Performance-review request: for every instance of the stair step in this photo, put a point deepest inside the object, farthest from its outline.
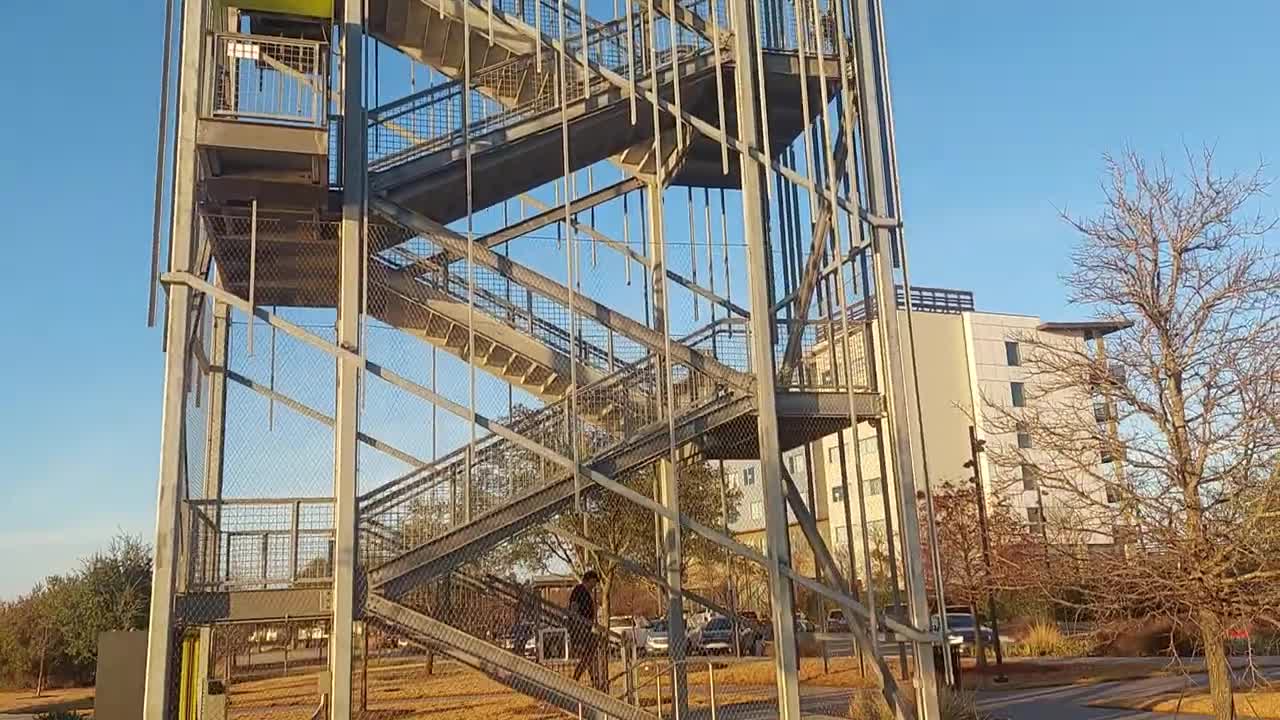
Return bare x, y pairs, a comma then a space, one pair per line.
507, 668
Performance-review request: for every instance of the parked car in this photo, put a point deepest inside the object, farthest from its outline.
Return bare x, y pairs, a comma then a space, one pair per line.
718, 636
836, 622
658, 641
962, 629
523, 634
633, 629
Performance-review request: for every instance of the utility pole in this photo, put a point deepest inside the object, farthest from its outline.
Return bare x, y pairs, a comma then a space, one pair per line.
976, 446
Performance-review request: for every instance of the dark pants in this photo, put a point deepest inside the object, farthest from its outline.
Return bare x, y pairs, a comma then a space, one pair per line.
584, 646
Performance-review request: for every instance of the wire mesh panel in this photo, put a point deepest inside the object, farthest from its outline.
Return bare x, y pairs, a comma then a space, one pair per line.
268, 79
267, 670
262, 544
523, 87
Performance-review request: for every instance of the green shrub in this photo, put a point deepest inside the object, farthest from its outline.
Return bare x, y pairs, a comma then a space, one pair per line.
60, 715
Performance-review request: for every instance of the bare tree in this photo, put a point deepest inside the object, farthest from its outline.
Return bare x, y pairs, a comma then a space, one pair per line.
970, 576
1154, 431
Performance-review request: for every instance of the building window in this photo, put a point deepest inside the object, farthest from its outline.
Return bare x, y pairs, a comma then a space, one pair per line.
1024, 435
1100, 411
1113, 493
757, 510
870, 453
748, 476
1030, 476
796, 465
837, 493
833, 453
1035, 518
1012, 355
871, 486
1017, 394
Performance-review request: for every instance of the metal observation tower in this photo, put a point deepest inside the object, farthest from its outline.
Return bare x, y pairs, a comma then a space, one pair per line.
456, 289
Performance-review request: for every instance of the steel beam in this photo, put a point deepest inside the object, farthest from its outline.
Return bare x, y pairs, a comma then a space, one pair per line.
216, 416
619, 322
160, 631
875, 120
505, 667
861, 622
781, 593
671, 555
347, 415
672, 562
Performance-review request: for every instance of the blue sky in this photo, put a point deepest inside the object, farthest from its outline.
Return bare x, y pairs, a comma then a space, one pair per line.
1003, 110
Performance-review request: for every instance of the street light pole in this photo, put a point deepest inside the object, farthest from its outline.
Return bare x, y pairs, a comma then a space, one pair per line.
976, 446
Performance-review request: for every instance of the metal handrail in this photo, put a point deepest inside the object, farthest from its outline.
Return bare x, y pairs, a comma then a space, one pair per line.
671, 666
288, 83
603, 42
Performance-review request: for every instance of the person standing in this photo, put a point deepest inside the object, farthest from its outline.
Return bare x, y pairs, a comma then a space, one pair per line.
582, 636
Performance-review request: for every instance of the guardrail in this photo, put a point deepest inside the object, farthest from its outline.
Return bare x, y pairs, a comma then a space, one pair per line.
259, 544
267, 79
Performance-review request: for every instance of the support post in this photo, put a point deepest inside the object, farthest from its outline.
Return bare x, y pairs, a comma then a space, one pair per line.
157, 691
667, 484
976, 446
886, 241
215, 430
346, 417
749, 93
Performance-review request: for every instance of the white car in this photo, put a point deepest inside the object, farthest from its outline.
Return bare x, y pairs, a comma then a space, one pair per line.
634, 629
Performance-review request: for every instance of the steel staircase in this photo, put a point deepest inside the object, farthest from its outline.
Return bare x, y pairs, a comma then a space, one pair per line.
510, 669
432, 521
601, 374
416, 143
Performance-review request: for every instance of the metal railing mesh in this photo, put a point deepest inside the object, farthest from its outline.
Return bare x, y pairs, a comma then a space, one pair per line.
524, 87
268, 79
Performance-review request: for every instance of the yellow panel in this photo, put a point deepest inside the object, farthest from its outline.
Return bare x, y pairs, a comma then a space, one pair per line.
308, 8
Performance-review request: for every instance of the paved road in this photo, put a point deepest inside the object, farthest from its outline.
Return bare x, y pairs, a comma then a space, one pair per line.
1071, 702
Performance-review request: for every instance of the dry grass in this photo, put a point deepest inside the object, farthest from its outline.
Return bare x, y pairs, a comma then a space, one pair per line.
1260, 703
843, 673
25, 701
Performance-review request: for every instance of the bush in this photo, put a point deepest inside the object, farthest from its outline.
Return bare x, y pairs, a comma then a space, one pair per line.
1145, 638
1045, 638
60, 715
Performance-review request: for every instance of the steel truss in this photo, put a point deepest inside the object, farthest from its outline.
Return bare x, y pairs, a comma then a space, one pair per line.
354, 250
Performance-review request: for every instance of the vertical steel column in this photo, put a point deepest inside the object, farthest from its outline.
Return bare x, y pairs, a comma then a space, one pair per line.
782, 598
880, 193
215, 429
160, 630
667, 484
347, 415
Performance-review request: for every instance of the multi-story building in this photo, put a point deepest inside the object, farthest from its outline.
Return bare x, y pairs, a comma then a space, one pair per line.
971, 372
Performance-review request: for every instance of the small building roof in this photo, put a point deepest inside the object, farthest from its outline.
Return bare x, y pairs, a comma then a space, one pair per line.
1097, 327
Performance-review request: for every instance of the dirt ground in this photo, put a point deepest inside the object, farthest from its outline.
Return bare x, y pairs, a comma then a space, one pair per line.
25, 701
402, 689
1026, 673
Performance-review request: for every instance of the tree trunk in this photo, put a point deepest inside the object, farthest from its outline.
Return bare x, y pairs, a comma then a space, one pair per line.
606, 603
1214, 636
44, 644
979, 647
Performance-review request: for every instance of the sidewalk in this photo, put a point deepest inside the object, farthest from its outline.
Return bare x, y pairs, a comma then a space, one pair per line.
1072, 702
